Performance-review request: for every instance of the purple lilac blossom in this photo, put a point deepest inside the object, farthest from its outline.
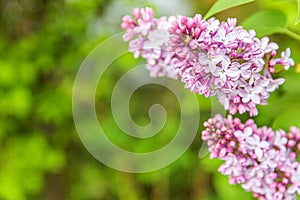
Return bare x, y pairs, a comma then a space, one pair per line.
148, 37
225, 59
210, 57
263, 161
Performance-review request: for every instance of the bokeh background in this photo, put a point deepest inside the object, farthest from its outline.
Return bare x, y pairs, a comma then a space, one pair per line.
43, 43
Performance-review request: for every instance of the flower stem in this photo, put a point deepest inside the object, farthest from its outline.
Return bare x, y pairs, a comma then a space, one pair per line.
292, 34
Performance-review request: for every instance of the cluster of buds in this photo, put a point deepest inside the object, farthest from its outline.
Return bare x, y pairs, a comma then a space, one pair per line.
210, 57
263, 161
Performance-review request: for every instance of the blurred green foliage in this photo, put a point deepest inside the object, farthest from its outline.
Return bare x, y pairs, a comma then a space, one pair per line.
42, 44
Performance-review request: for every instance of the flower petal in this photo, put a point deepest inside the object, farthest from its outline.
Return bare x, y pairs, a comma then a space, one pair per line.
258, 153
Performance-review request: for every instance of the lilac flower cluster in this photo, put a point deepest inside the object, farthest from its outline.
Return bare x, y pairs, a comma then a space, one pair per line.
148, 37
210, 56
262, 160
223, 58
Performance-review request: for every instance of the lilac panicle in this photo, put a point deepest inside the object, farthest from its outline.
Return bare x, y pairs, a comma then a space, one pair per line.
147, 37
263, 161
225, 59
210, 57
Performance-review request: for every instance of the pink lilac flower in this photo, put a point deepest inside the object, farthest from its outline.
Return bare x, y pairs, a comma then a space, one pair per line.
210, 57
236, 75
285, 59
263, 161
147, 37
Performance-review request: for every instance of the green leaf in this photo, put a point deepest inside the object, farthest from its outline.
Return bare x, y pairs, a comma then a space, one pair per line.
288, 118
298, 16
222, 5
267, 22
227, 191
